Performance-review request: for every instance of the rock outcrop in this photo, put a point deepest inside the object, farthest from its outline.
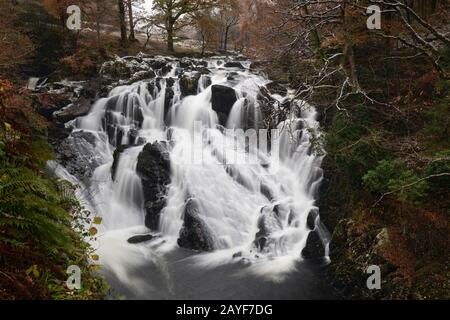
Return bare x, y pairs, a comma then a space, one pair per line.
223, 98
140, 238
234, 64
78, 154
195, 233
153, 166
79, 108
314, 247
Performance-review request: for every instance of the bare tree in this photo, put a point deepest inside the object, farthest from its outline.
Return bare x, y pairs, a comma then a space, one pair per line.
229, 15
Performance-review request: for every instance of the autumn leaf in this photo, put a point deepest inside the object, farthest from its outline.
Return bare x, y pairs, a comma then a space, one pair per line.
97, 220
34, 271
93, 231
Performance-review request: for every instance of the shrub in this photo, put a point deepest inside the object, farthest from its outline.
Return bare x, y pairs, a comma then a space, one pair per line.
394, 177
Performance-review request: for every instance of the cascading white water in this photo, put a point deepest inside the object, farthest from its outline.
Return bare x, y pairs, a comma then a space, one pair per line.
276, 192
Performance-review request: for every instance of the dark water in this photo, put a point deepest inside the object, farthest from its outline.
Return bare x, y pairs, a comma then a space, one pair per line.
180, 279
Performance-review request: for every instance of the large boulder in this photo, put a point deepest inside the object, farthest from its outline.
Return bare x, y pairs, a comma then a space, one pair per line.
314, 246
158, 63
79, 108
223, 98
311, 220
153, 166
123, 68
79, 155
189, 84
234, 64
194, 234
268, 223
153, 211
140, 238
141, 75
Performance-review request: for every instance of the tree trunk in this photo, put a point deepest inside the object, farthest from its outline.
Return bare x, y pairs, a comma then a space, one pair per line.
203, 44
98, 26
225, 40
348, 54
123, 26
170, 46
131, 21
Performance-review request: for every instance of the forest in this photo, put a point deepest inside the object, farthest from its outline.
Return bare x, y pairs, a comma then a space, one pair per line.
96, 124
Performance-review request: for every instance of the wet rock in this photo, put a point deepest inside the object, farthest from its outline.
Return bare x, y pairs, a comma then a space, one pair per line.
140, 238
141, 75
234, 64
311, 219
170, 82
189, 84
195, 233
186, 63
75, 89
79, 108
78, 154
201, 63
153, 211
314, 247
168, 99
121, 68
158, 64
133, 136
223, 98
153, 166
268, 223
237, 254
203, 70
166, 69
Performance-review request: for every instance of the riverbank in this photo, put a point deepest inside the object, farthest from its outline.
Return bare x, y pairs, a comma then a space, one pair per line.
42, 229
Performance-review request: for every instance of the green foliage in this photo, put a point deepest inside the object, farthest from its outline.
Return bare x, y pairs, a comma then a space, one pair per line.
30, 207
354, 142
440, 165
393, 176
437, 128
43, 216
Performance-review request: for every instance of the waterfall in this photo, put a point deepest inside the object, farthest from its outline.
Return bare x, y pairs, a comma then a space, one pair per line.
253, 203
